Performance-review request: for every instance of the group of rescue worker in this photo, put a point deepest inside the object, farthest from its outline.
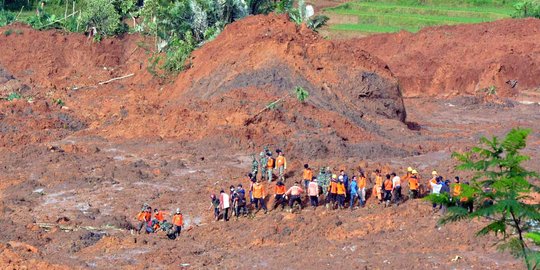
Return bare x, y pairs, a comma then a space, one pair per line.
334, 191
156, 222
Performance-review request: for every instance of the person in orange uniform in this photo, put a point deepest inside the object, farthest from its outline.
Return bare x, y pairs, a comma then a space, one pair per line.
332, 192
362, 182
178, 222
377, 189
281, 165
159, 215
143, 217
270, 164
341, 191
279, 195
456, 190
258, 196
413, 185
158, 219
407, 176
388, 187
307, 176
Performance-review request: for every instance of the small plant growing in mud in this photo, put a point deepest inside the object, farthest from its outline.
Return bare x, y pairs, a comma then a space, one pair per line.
489, 91
59, 102
13, 96
301, 94
501, 193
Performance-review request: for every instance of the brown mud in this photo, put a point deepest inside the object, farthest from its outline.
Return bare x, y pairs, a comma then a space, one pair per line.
84, 166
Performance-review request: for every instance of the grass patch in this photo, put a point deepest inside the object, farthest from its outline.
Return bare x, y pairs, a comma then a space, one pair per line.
386, 16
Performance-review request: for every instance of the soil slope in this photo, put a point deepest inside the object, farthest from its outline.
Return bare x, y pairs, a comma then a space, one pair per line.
462, 59
74, 175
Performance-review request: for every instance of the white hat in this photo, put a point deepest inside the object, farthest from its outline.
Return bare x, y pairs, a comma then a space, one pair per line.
178, 210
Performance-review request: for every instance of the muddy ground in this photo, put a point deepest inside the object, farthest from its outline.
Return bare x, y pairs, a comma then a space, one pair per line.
74, 175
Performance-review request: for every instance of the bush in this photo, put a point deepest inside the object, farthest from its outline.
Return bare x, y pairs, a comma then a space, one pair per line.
527, 8
178, 52
6, 17
101, 15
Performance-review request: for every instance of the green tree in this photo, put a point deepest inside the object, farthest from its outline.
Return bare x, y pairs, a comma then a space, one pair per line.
501, 190
527, 8
102, 15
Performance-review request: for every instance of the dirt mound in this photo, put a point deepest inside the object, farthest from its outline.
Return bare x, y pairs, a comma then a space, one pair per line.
462, 59
262, 59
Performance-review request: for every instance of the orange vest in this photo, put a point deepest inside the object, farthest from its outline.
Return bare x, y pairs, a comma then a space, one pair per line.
270, 163
388, 185
378, 180
362, 182
457, 190
159, 216
413, 183
280, 190
308, 174
340, 188
333, 187
280, 161
178, 220
141, 216
258, 191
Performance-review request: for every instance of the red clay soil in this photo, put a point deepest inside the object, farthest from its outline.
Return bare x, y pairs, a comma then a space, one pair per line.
85, 168
462, 59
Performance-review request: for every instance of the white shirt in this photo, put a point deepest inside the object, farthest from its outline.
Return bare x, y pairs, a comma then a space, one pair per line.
225, 200
436, 188
396, 181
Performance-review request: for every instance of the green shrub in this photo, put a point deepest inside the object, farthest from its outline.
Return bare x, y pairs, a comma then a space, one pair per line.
8, 32
101, 15
527, 8
13, 96
6, 17
178, 52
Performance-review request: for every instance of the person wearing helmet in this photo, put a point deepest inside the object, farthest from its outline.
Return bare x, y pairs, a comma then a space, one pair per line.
407, 175
413, 185
263, 162
433, 180
178, 222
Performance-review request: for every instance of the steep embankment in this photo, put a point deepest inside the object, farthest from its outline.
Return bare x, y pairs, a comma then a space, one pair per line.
462, 59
